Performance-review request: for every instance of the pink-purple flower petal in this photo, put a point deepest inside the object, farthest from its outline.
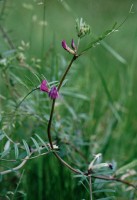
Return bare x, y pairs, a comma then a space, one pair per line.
64, 44
44, 87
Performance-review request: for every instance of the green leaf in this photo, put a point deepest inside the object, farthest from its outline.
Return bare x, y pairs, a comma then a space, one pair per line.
70, 109
75, 94
104, 84
7, 145
36, 144
5, 153
114, 53
1, 177
16, 150
126, 167
26, 147
8, 53
97, 41
42, 141
107, 198
37, 77
16, 78
104, 190
2, 135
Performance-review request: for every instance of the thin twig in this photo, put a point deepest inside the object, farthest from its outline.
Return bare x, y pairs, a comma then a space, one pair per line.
24, 160
90, 186
15, 168
77, 150
25, 97
43, 29
68, 68
111, 178
8, 40
3, 9
5, 35
18, 185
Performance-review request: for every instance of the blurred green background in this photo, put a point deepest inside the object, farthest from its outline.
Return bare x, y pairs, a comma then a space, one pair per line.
97, 112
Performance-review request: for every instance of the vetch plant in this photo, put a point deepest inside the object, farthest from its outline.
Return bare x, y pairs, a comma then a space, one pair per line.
96, 170
83, 30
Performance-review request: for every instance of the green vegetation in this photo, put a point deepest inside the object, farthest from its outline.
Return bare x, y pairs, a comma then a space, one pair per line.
94, 119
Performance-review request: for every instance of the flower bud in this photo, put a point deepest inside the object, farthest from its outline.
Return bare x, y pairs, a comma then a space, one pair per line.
53, 93
73, 45
67, 48
82, 28
110, 165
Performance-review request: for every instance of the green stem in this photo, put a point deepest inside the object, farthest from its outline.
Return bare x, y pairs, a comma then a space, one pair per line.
25, 97
90, 186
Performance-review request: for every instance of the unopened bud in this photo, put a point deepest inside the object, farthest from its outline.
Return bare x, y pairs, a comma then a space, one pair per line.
44, 87
82, 28
53, 93
73, 45
67, 48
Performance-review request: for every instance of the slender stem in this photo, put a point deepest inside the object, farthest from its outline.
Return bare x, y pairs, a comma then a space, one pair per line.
24, 160
78, 42
77, 150
26, 97
64, 75
66, 164
5, 35
53, 102
111, 178
50, 122
15, 168
3, 9
90, 186
43, 29
51, 116
16, 189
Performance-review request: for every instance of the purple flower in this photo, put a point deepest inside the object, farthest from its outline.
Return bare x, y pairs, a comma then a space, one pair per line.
44, 87
73, 45
53, 93
67, 48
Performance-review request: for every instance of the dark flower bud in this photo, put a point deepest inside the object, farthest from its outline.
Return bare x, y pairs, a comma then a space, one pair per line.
73, 45
110, 165
53, 93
